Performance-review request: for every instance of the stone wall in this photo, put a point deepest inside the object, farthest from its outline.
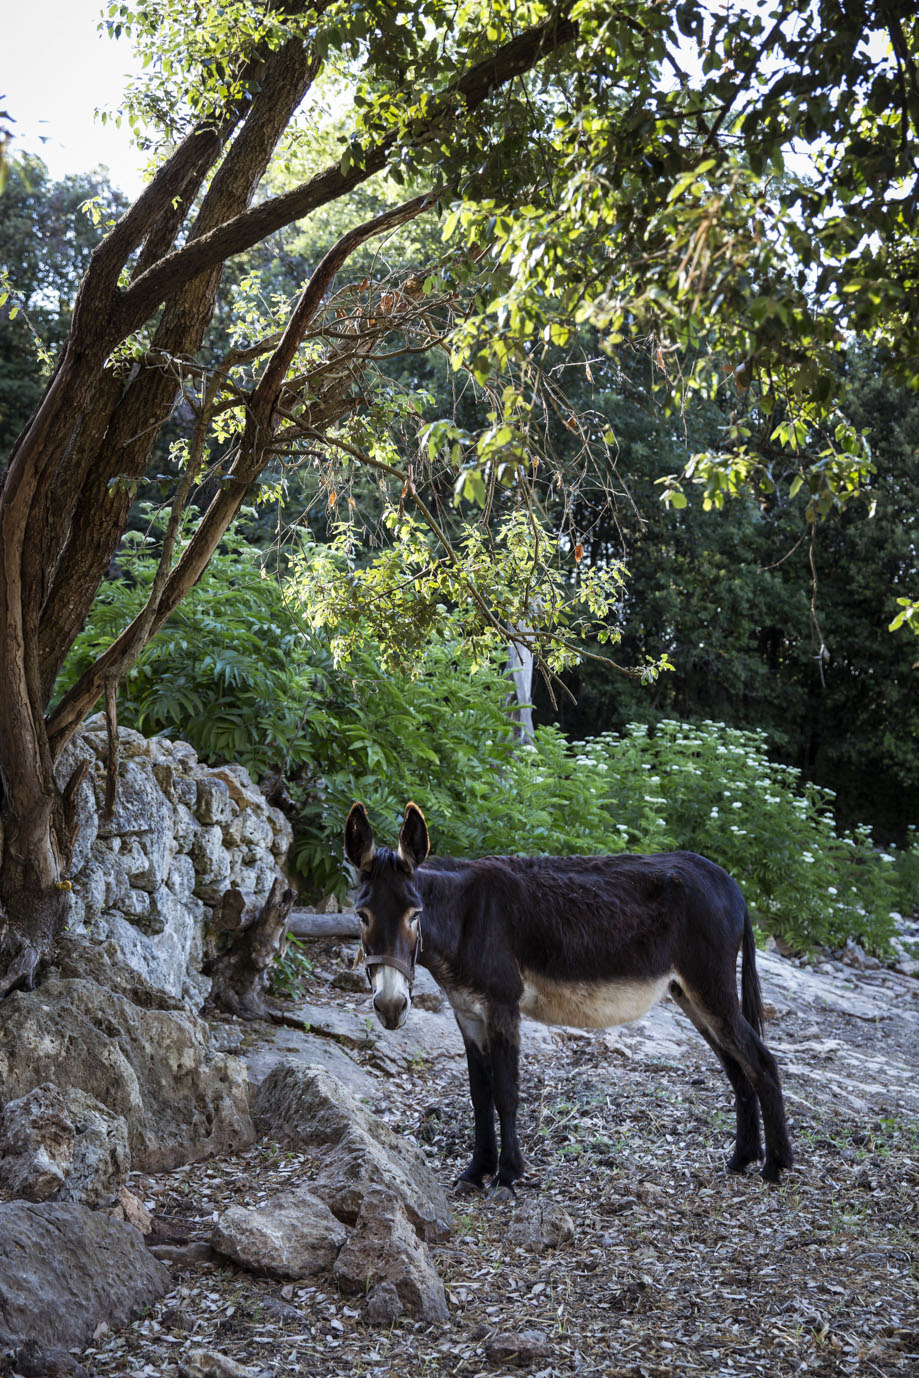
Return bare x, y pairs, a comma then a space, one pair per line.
180, 835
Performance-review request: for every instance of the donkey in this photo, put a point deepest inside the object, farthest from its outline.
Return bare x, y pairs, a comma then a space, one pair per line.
586, 941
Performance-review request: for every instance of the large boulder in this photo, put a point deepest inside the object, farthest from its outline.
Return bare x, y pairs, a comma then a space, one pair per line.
64, 1269
290, 1236
300, 1104
130, 1048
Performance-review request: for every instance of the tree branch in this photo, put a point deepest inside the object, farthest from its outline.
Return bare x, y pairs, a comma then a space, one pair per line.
241, 232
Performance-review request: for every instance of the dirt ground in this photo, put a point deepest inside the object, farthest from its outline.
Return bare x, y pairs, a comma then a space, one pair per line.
676, 1266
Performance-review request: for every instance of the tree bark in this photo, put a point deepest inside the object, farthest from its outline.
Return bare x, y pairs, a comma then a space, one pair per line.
239, 975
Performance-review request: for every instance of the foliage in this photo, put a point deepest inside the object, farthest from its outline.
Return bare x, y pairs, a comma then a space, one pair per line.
236, 673
704, 788
727, 595
685, 216
46, 237
228, 672
290, 970
713, 790
491, 586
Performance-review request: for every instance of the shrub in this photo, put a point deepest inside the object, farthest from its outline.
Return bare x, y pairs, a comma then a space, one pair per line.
238, 675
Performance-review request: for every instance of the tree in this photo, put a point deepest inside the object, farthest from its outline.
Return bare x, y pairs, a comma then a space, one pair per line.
596, 176
48, 231
141, 314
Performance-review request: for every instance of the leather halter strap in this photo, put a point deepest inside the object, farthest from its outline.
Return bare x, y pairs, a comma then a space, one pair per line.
407, 968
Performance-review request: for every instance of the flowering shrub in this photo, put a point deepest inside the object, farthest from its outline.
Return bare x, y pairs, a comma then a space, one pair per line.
706, 788
712, 789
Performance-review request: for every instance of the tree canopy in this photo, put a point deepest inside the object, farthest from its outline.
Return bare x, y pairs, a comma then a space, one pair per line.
724, 198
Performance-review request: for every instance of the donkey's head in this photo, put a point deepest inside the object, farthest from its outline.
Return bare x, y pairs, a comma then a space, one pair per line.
389, 907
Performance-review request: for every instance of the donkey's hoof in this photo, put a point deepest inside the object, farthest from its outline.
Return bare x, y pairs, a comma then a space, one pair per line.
738, 1162
465, 1186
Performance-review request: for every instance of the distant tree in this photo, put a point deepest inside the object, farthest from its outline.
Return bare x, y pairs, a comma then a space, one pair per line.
729, 594
46, 239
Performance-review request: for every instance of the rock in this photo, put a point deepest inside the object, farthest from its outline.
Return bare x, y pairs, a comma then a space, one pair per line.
64, 1269
198, 1251
383, 1305
291, 1236
522, 1348
148, 1062
101, 1156
179, 833
307, 1105
383, 1248
210, 1363
31, 1361
213, 804
132, 1210
140, 805
36, 1144
353, 979
538, 1225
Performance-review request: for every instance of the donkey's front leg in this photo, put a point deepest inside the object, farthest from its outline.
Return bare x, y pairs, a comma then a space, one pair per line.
485, 1149
504, 1055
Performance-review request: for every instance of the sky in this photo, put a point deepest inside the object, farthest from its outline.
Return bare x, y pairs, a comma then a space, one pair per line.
56, 69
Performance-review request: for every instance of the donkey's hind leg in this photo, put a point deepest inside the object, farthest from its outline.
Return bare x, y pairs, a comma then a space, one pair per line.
735, 1036
748, 1146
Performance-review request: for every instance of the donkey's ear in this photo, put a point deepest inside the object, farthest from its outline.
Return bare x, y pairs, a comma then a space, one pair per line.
359, 845
414, 843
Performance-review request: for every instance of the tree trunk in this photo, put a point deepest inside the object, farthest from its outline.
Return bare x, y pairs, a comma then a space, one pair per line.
239, 975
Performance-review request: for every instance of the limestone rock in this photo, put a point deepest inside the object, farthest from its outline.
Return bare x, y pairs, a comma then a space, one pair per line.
31, 1361
210, 1363
153, 1066
101, 1156
64, 1269
179, 834
539, 1225
522, 1347
383, 1248
383, 1304
307, 1105
36, 1144
132, 1210
291, 1236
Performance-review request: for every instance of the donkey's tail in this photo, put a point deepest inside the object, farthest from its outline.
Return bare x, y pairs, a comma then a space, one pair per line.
751, 993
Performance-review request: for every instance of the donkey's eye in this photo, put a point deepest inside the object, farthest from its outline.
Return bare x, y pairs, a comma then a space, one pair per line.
364, 918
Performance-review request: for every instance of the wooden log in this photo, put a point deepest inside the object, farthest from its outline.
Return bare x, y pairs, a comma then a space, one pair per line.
303, 923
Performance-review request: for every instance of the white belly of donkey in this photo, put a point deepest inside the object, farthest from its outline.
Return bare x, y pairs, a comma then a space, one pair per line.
589, 1004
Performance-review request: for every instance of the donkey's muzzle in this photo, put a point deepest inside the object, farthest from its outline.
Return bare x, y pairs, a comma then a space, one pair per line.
391, 1013
391, 995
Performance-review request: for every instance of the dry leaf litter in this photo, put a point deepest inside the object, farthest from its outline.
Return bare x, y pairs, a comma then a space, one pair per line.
676, 1267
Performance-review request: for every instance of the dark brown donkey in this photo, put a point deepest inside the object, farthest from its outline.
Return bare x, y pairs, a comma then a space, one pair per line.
587, 941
